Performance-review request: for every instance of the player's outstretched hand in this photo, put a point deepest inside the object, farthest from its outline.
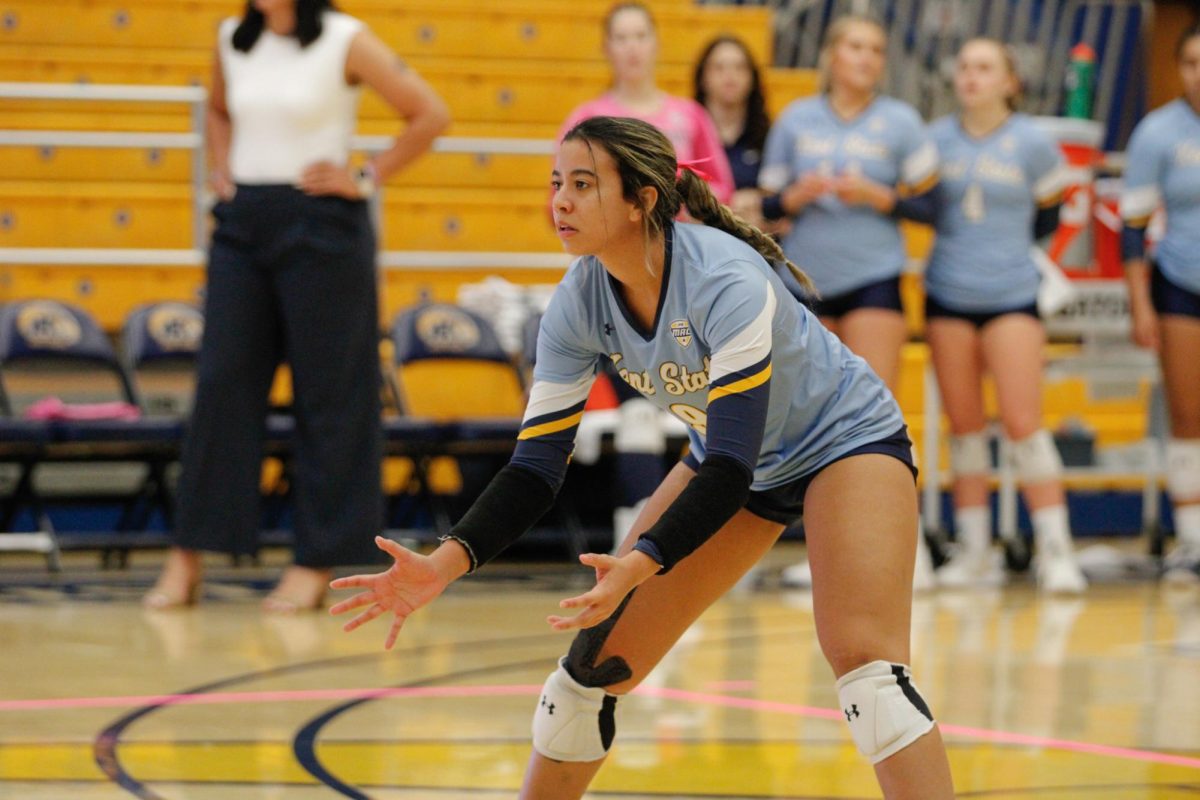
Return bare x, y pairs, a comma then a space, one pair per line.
615, 578
411, 582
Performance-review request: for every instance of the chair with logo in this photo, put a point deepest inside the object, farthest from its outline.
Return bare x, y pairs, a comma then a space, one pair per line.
160, 343
59, 371
451, 371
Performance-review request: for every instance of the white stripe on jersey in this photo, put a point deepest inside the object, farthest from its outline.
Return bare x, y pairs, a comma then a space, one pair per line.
920, 164
773, 178
751, 345
548, 398
1139, 203
1053, 183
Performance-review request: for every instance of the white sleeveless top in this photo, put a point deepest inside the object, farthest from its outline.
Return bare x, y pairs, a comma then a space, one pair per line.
290, 105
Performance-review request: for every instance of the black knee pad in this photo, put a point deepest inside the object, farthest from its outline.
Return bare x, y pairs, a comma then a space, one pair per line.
581, 658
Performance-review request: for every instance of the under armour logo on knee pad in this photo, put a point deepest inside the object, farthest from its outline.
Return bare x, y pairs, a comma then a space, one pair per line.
547, 705
851, 712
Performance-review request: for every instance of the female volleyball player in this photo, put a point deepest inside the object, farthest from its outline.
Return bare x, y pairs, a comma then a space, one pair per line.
844, 167
1001, 189
1164, 294
784, 420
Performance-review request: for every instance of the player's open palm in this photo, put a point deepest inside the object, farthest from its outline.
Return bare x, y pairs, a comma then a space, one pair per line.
410, 583
615, 578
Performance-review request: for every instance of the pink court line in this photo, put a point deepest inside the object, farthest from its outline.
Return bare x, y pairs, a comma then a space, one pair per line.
729, 686
218, 698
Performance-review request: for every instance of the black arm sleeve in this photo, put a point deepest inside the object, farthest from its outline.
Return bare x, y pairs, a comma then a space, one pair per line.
772, 207
720, 488
1046, 221
1133, 242
510, 505
919, 208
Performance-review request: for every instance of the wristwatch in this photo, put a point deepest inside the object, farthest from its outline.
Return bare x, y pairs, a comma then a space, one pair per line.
365, 180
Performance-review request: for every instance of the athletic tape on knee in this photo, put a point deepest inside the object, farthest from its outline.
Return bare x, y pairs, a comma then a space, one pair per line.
1035, 458
1183, 469
585, 649
573, 722
969, 455
884, 709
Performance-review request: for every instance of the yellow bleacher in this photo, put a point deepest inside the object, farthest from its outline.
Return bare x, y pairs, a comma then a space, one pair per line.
156, 215
489, 91
542, 59
550, 32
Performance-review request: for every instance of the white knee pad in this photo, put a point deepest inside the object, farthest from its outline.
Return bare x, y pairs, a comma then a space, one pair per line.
639, 428
1183, 469
969, 455
573, 722
884, 709
1035, 458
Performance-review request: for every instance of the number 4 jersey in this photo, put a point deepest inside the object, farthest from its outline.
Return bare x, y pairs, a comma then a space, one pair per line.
731, 353
989, 194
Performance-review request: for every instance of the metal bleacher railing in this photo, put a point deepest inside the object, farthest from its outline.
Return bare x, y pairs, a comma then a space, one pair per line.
926, 34
193, 141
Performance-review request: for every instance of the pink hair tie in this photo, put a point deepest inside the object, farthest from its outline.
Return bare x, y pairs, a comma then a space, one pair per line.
691, 165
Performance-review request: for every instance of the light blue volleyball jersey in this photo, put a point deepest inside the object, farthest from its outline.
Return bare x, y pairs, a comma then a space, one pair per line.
847, 247
987, 198
732, 354
1163, 168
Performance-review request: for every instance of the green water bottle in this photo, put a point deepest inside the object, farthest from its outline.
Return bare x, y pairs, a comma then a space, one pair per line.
1081, 74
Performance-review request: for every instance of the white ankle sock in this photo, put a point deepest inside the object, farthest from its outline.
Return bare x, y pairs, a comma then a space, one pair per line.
1052, 530
1187, 524
973, 529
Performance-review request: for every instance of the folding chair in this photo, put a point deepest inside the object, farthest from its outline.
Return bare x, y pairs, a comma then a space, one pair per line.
53, 350
451, 369
159, 345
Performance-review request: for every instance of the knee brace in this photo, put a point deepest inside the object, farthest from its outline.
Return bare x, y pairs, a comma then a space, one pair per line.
884, 709
573, 722
1183, 469
969, 455
576, 718
1035, 458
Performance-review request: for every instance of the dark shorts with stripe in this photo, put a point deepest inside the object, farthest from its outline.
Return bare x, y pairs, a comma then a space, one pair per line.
884, 294
785, 504
1171, 298
934, 309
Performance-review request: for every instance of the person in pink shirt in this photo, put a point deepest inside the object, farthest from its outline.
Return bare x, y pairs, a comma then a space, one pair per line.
631, 46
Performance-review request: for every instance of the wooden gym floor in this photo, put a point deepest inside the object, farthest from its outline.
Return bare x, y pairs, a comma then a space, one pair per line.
1097, 697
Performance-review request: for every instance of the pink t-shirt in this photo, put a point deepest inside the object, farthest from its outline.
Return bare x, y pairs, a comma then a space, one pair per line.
686, 124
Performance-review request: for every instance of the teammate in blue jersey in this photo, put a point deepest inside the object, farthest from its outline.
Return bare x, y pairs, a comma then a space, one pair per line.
784, 420
1163, 170
843, 168
1002, 180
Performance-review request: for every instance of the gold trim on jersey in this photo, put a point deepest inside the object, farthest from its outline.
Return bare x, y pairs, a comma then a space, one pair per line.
744, 385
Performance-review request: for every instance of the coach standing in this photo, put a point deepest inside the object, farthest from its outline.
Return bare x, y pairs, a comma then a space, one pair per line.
291, 275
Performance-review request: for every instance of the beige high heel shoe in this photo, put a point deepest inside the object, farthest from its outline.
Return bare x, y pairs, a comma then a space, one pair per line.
161, 599
180, 583
300, 589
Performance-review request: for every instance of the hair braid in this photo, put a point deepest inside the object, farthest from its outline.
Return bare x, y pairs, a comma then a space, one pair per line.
703, 205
